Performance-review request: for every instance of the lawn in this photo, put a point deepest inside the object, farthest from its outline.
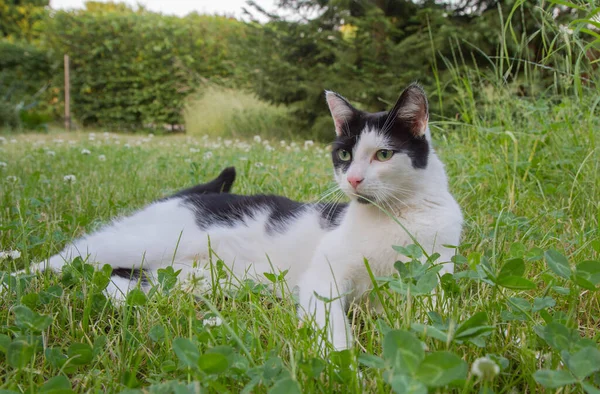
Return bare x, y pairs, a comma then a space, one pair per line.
521, 313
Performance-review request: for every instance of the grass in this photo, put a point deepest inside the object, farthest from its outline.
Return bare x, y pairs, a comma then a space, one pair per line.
524, 191
222, 112
524, 298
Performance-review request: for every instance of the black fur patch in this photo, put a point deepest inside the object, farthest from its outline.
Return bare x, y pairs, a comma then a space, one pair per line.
231, 209
133, 274
221, 184
399, 133
331, 214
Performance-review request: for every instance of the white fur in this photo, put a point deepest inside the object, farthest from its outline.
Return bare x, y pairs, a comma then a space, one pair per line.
425, 208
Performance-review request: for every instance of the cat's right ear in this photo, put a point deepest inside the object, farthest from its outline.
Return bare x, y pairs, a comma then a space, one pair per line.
341, 110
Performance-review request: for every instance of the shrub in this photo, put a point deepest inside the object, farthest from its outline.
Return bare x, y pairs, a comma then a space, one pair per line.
226, 112
134, 69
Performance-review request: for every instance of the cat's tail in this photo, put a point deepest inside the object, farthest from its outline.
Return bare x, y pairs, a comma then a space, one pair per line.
221, 184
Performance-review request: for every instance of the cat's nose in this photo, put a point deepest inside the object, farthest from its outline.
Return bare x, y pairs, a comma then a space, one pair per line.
355, 181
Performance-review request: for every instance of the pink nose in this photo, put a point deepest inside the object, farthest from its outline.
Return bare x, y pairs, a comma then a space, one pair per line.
354, 181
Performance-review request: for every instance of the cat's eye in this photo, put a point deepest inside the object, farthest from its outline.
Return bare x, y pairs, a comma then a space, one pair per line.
384, 154
344, 155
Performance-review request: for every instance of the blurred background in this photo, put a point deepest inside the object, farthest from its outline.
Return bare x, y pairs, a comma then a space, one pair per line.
242, 68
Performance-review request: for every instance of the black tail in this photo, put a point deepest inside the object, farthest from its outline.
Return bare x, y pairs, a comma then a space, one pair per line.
221, 184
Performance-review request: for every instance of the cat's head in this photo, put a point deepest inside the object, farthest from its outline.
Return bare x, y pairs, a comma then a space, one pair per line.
380, 156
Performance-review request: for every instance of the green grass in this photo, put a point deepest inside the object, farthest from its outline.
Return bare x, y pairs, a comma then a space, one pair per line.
222, 112
524, 190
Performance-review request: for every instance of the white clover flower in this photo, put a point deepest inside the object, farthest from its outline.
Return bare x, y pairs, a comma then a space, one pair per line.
3, 164
11, 178
208, 155
151, 135
257, 139
214, 321
308, 143
58, 140
102, 158
92, 134
85, 152
2, 140
258, 164
194, 150
282, 142
228, 143
50, 153
106, 134
10, 254
485, 368
13, 141
188, 160
269, 148
564, 29
70, 178
124, 146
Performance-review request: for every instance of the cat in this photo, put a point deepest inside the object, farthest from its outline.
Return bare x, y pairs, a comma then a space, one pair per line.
383, 162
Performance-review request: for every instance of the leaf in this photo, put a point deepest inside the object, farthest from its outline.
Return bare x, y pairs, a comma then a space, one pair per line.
429, 331
80, 353
411, 251
589, 388
589, 270
585, 362
213, 363
515, 283
187, 352
371, 361
513, 267
427, 283
4, 343
403, 350
55, 357
558, 263
136, 297
403, 384
543, 303
477, 320
58, 384
157, 333
551, 379
19, 353
285, 386
441, 368
28, 320
557, 336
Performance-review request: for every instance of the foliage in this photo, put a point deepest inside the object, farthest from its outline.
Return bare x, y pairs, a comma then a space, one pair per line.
523, 298
18, 18
141, 65
25, 73
369, 50
221, 112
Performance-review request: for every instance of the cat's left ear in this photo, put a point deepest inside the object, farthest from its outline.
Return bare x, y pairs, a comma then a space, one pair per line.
341, 110
413, 109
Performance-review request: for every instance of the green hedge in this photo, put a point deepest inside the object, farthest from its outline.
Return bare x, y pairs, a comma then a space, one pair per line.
25, 74
133, 69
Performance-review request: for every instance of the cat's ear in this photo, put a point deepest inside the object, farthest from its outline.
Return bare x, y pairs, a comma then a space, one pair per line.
341, 110
412, 108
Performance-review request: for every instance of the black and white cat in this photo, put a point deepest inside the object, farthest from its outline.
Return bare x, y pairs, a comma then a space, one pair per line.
381, 160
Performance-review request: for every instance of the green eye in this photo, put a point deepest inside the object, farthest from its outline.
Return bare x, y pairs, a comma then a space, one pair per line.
344, 155
384, 154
